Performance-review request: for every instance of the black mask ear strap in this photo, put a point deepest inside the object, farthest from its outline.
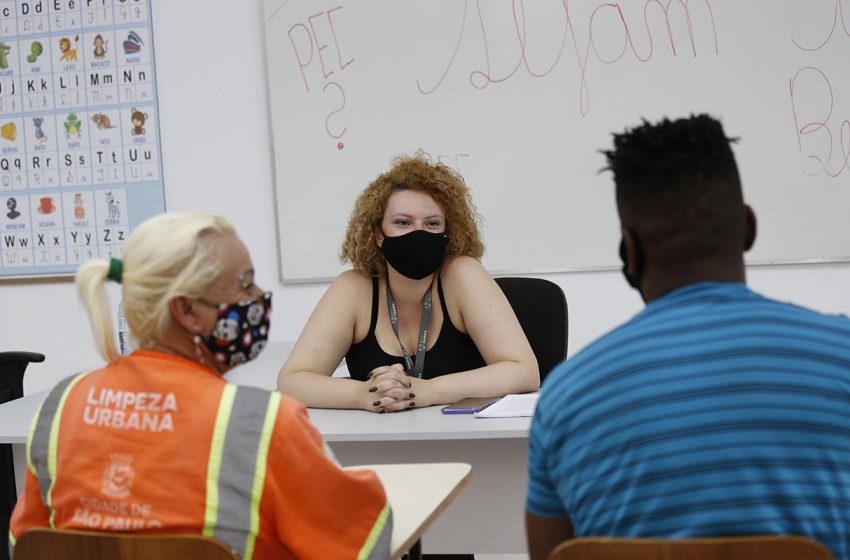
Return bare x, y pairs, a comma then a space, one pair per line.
633, 278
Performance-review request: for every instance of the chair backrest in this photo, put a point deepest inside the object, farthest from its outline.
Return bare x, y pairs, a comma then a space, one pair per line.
763, 547
541, 307
12, 366
54, 544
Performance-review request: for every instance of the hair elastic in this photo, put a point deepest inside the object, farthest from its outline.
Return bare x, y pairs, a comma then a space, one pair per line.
116, 270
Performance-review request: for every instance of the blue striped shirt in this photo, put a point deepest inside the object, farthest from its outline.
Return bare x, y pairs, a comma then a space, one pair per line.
715, 411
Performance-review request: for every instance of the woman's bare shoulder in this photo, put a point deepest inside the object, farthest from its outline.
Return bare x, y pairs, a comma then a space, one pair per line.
463, 270
352, 282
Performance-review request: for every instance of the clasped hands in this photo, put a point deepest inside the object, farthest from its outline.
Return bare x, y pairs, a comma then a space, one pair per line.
390, 389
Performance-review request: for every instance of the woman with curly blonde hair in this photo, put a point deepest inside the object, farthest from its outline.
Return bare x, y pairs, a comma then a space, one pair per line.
416, 306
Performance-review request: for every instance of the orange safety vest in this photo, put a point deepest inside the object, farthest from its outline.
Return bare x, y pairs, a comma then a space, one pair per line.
160, 444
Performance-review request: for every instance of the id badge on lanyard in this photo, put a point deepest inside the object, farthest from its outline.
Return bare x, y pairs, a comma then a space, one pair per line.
413, 369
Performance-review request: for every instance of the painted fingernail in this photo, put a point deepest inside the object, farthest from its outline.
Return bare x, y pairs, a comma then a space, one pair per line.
412, 395
373, 389
376, 403
412, 404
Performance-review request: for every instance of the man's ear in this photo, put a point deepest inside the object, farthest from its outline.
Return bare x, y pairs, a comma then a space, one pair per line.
184, 313
630, 253
751, 227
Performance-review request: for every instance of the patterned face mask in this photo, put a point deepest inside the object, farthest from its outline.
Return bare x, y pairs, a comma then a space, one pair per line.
241, 330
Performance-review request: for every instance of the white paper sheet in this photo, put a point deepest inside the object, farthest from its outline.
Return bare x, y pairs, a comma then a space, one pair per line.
511, 406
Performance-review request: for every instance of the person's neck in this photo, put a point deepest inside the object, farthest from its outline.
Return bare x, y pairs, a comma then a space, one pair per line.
181, 344
658, 282
408, 292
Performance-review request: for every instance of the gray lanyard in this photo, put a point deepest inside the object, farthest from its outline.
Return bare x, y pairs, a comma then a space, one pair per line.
409, 366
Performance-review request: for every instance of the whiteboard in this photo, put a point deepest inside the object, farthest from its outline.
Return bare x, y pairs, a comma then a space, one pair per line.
519, 97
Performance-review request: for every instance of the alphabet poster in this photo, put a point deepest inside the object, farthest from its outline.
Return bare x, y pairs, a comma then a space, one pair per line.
80, 158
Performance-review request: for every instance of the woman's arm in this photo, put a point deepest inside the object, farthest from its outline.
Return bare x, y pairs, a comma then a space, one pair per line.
486, 315
323, 343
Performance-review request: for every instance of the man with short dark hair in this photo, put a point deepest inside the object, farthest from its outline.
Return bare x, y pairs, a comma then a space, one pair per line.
714, 411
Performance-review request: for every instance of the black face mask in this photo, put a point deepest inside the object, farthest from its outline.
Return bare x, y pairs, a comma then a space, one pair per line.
416, 254
635, 279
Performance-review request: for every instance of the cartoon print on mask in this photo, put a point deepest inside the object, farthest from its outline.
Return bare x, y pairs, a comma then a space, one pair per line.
241, 330
227, 329
254, 315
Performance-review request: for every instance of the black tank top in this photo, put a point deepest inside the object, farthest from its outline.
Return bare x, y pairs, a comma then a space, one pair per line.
452, 352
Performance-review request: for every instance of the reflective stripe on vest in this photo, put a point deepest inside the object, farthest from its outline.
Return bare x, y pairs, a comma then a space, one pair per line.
237, 466
377, 545
44, 439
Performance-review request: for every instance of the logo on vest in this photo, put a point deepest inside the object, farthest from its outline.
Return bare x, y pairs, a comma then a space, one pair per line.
118, 476
116, 512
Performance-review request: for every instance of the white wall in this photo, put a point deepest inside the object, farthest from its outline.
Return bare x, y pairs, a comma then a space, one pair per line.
217, 157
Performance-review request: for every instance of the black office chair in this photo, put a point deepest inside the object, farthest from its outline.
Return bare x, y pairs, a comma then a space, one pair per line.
541, 307
12, 367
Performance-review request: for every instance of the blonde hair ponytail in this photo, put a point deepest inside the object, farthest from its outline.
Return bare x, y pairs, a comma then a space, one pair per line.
167, 256
91, 277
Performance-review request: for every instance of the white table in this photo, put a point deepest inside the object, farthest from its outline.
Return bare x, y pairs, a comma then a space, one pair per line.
262, 371
486, 518
415, 506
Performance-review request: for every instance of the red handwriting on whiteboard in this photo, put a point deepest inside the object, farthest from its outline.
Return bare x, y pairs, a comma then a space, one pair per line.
813, 104
482, 78
309, 41
815, 137
828, 30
